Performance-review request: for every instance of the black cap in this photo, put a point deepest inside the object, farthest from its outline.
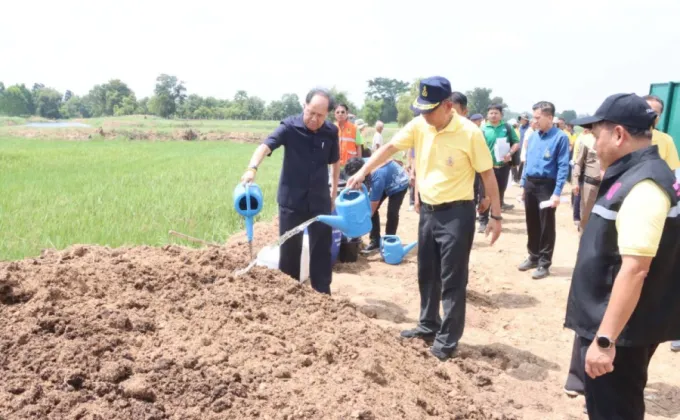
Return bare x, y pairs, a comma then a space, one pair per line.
431, 92
627, 109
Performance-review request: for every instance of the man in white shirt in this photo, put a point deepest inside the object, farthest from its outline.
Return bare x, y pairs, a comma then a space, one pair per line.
377, 137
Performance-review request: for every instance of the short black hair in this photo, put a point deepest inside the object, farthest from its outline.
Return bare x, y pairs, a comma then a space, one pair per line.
562, 119
353, 165
459, 98
321, 92
545, 107
343, 106
635, 132
655, 99
497, 107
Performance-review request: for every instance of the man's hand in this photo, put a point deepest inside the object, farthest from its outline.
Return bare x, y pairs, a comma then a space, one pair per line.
484, 204
524, 195
416, 204
248, 177
332, 203
356, 180
555, 201
576, 190
493, 228
507, 158
599, 361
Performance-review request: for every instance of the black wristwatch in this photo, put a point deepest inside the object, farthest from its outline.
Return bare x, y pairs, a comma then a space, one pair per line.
604, 342
499, 218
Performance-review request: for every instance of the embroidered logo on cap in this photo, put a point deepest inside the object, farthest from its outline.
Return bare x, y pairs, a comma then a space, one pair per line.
424, 94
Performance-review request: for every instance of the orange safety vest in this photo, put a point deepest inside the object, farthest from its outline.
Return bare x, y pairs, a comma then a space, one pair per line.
348, 142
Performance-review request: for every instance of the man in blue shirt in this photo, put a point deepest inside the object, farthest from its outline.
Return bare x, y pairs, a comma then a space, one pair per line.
390, 181
545, 172
311, 144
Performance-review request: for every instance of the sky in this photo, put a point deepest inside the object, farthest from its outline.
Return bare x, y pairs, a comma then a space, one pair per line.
572, 53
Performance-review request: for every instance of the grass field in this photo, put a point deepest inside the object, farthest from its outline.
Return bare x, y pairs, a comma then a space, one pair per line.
136, 123
57, 193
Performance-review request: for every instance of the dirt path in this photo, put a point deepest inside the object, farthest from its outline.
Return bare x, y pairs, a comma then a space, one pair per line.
514, 323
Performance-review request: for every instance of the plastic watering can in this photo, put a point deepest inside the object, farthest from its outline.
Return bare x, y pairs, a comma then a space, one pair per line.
248, 202
353, 217
392, 251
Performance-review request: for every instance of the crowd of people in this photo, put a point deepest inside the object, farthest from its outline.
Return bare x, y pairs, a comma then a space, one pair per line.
624, 298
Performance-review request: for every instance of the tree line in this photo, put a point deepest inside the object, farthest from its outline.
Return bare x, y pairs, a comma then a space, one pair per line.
386, 99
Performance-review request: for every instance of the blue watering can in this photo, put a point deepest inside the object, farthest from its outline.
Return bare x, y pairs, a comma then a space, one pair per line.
392, 250
354, 213
248, 202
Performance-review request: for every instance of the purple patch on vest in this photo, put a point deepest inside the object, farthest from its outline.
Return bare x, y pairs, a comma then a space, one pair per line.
676, 187
613, 190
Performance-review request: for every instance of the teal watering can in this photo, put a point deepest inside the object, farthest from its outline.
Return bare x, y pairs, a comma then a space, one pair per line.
248, 202
392, 250
353, 210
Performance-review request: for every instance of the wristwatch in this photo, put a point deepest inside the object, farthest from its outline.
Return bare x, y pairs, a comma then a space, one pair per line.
499, 218
604, 342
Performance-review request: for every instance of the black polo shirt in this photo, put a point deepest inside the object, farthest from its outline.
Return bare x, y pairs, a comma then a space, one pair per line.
304, 176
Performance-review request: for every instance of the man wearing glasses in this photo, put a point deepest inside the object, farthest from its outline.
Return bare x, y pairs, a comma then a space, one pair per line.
311, 145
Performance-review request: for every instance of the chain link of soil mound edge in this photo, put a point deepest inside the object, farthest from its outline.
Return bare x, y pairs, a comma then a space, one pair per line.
169, 333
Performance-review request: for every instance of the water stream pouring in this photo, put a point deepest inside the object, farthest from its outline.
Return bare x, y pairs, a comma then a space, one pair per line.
354, 213
248, 202
392, 251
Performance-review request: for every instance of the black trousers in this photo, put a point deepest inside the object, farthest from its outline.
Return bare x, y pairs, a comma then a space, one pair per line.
619, 395
444, 243
576, 379
576, 203
502, 177
320, 238
393, 205
478, 189
517, 172
540, 222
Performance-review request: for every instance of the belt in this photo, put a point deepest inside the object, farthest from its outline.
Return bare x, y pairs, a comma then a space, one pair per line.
591, 181
443, 206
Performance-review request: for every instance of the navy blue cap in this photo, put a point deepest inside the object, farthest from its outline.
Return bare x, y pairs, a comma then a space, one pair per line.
431, 92
626, 109
476, 117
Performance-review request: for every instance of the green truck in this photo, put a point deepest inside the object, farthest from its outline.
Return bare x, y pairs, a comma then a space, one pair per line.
670, 119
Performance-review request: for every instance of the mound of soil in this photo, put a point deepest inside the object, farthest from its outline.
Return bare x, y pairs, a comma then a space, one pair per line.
170, 333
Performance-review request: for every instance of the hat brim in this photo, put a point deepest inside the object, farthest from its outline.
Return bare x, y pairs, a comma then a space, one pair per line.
585, 121
420, 106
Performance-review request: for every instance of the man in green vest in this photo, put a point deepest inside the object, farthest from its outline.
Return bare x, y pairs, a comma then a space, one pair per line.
502, 142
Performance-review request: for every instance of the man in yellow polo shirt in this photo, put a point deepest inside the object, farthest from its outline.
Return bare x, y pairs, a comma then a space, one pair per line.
667, 149
449, 150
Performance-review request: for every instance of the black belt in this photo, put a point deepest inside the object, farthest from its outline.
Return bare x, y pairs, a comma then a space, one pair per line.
443, 206
591, 181
540, 180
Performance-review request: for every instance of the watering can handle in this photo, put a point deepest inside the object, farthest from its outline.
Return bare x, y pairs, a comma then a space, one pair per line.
247, 196
363, 188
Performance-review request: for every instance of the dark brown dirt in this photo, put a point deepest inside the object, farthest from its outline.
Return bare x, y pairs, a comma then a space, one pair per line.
170, 333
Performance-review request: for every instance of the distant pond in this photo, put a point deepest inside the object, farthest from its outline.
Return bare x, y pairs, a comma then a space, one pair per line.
57, 124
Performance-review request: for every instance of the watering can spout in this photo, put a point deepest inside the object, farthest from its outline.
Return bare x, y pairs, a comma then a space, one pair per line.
409, 247
336, 222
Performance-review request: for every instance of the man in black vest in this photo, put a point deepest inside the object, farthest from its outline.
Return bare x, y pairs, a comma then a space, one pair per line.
625, 291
